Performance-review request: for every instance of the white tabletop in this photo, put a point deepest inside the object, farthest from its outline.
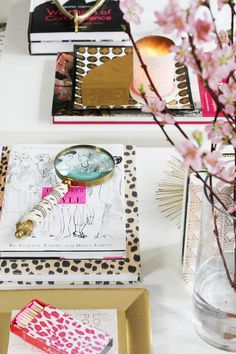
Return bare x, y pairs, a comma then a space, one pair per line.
25, 103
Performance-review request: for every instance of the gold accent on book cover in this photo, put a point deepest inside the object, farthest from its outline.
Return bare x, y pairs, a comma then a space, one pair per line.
108, 84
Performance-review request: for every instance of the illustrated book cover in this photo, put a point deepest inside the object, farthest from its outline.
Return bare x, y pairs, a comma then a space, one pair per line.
50, 273
92, 228
51, 32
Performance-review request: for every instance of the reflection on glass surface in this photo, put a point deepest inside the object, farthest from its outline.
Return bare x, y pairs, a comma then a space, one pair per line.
84, 164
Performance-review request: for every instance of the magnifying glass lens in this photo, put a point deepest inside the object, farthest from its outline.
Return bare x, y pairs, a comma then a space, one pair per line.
84, 164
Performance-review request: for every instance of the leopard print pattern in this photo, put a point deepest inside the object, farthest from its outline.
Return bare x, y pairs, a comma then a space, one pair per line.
3, 171
59, 332
131, 264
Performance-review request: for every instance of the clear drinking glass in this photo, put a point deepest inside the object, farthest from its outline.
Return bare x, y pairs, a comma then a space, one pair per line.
214, 297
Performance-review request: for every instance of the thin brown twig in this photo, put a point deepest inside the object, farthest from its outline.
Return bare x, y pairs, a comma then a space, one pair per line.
232, 283
232, 22
216, 233
214, 24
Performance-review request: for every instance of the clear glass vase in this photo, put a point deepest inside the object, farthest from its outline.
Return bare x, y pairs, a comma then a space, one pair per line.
214, 294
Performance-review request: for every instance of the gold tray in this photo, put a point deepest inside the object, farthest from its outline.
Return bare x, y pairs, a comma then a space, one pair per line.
134, 332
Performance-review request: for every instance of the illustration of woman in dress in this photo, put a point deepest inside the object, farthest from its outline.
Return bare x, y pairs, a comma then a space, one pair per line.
65, 163
21, 176
83, 216
111, 195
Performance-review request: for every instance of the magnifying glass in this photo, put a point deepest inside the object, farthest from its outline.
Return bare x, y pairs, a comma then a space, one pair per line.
78, 165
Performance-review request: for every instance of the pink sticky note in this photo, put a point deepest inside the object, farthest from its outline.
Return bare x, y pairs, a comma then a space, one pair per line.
75, 195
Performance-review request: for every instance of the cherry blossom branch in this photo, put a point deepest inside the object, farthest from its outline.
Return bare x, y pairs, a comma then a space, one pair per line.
232, 42
174, 145
205, 83
232, 21
179, 19
144, 66
214, 24
233, 183
216, 233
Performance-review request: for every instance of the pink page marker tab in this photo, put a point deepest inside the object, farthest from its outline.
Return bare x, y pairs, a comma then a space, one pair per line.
76, 195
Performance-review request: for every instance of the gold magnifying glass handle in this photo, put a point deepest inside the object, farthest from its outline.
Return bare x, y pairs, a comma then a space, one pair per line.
40, 211
78, 19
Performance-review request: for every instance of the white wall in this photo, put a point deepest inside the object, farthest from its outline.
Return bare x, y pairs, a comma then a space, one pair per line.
4, 7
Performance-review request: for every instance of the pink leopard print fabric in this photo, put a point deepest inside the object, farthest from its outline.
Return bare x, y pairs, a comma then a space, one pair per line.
60, 331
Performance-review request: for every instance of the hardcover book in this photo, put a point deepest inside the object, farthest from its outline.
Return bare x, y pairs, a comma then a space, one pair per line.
90, 224
51, 32
51, 273
68, 105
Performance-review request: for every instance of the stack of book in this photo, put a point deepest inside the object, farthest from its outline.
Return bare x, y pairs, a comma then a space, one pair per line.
50, 32
95, 242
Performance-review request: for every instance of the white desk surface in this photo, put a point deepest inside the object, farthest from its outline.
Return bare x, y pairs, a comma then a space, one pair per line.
25, 103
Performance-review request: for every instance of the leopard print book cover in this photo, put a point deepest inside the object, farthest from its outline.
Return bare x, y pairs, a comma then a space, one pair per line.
52, 267
3, 171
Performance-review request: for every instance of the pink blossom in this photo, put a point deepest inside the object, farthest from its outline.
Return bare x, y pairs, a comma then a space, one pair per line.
132, 11
206, 63
172, 18
228, 97
224, 37
231, 209
166, 118
218, 131
191, 155
221, 3
217, 65
224, 61
202, 28
212, 162
181, 51
227, 174
154, 106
